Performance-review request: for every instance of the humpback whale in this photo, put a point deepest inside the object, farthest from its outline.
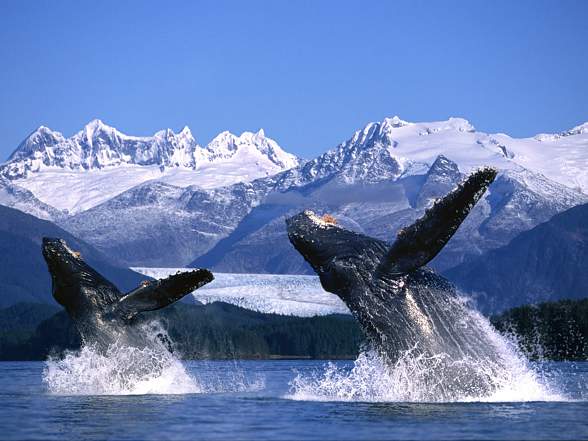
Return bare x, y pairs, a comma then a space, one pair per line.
402, 306
101, 313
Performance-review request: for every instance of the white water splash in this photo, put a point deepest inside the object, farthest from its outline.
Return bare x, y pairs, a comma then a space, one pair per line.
120, 370
418, 378
126, 370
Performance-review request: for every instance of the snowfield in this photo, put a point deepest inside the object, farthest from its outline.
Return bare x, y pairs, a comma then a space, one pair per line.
295, 295
100, 162
79, 191
562, 157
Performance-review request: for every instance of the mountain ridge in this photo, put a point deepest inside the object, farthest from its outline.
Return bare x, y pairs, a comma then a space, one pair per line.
99, 145
23, 271
99, 162
379, 180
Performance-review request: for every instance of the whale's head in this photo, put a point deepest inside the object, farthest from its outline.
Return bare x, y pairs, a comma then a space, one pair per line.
70, 275
65, 266
342, 258
61, 259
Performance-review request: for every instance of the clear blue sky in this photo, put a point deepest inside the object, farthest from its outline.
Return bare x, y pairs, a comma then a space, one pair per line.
309, 73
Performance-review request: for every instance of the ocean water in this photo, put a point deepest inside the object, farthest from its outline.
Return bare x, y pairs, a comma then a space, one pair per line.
141, 396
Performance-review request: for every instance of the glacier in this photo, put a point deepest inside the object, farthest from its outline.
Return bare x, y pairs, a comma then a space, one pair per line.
296, 295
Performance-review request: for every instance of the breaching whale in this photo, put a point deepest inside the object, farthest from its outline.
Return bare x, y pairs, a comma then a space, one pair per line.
101, 313
404, 308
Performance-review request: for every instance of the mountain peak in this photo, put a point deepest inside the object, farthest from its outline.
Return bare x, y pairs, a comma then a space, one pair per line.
443, 163
225, 145
99, 146
96, 122
186, 132
461, 124
395, 122
96, 125
43, 129
578, 130
37, 140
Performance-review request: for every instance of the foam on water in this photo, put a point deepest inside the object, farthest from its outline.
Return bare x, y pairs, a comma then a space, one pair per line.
126, 370
121, 370
415, 377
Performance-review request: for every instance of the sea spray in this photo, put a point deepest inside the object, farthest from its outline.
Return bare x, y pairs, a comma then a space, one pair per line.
121, 369
506, 376
227, 376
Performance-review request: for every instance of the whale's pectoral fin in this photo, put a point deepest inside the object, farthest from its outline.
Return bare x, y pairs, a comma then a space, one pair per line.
158, 294
418, 244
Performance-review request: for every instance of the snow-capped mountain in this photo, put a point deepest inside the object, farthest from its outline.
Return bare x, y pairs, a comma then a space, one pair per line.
386, 174
515, 202
393, 148
159, 224
100, 162
379, 180
13, 196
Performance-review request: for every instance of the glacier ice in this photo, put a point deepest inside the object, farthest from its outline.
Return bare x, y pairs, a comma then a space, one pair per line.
296, 295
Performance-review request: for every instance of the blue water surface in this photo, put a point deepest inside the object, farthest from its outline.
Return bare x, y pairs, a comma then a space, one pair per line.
259, 408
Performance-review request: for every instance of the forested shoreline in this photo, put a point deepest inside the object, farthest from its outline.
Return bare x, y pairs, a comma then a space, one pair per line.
550, 330
33, 331
214, 331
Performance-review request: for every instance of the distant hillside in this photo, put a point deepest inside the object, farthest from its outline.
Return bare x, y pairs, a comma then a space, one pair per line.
23, 272
216, 331
551, 330
18, 323
545, 263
